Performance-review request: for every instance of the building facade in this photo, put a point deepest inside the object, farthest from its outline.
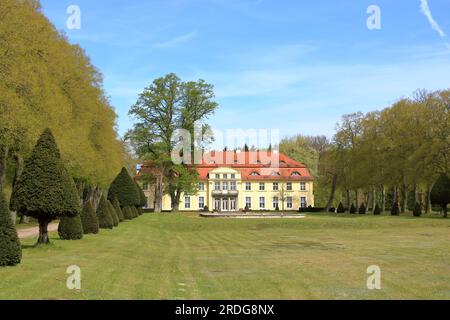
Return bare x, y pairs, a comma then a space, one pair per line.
235, 181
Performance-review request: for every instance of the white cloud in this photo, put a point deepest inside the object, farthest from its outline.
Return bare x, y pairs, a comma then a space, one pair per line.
177, 40
425, 8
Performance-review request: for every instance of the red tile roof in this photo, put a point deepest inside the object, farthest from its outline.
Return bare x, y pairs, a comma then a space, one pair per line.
252, 165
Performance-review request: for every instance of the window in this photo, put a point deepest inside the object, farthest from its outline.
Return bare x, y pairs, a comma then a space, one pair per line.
201, 186
224, 185
275, 186
146, 202
296, 174
145, 186
248, 186
289, 186
217, 186
302, 186
217, 176
248, 202
262, 202
201, 202
254, 174
274, 173
233, 176
225, 176
303, 202
187, 202
233, 185
289, 202
262, 186
275, 202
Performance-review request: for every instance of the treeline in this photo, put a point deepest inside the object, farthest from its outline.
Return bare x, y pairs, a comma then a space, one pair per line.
390, 157
47, 82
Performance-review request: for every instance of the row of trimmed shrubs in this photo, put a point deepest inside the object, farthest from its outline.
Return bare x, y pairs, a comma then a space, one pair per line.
395, 210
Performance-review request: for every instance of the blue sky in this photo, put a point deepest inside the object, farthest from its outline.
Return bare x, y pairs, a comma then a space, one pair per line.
292, 65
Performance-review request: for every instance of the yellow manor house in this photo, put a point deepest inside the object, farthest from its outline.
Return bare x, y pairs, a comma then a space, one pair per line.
236, 181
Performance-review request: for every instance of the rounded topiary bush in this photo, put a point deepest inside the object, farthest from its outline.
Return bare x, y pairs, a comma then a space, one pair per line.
440, 194
140, 211
362, 209
105, 220
395, 211
127, 213
340, 208
113, 214
10, 249
205, 209
377, 210
417, 211
135, 212
352, 209
119, 212
70, 228
89, 219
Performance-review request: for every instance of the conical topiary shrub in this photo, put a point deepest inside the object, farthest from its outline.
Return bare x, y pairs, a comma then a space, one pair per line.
440, 194
10, 249
89, 219
45, 190
105, 220
362, 209
140, 211
352, 209
135, 212
377, 210
113, 213
142, 199
124, 189
127, 213
395, 211
417, 211
119, 212
70, 228
340, 208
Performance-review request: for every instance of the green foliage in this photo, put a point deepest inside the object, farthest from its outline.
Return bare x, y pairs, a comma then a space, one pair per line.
340, 208
119, 212
124, 189
113, 213
353, 209
417, 211
440, 194
128, 213
10, 248
70, 228
46, 81
89, 219
134, 211
395, 210
45, 189
377, 210
105, 219
142, 197
362, 209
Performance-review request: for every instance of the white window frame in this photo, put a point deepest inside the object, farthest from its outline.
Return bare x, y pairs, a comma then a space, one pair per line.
217, 186
233, 186
302, 186
201, 186
248, 186
289, 204
187, 202
289, 186
275, 202
303, 202
248, 202
262, 186
262, 202
225, 186
275, 186
201, 202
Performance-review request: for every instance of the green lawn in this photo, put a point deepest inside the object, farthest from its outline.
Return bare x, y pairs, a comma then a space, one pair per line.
173, 256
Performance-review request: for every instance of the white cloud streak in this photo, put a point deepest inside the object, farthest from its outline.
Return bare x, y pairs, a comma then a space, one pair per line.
175, 41
425, 8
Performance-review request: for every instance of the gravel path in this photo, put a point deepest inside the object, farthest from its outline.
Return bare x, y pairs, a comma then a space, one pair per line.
34, 231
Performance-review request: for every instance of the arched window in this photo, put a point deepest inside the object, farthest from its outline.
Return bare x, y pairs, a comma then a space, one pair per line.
296, 174
254, 174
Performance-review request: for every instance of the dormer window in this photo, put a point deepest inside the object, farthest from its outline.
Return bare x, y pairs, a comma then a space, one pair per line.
254, 174
296, 174
275, 173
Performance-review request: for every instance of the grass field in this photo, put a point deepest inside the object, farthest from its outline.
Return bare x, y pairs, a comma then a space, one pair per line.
173, 256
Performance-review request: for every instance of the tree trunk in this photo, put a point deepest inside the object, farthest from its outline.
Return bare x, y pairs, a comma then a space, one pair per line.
383, 199
394, 196
428, 199
366, 200
3, 157
357, 199
17, 172
43, 230
332, 193
416, 200
175, 200
404, 194
374, 199
349, 204
444, 210
158, 194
